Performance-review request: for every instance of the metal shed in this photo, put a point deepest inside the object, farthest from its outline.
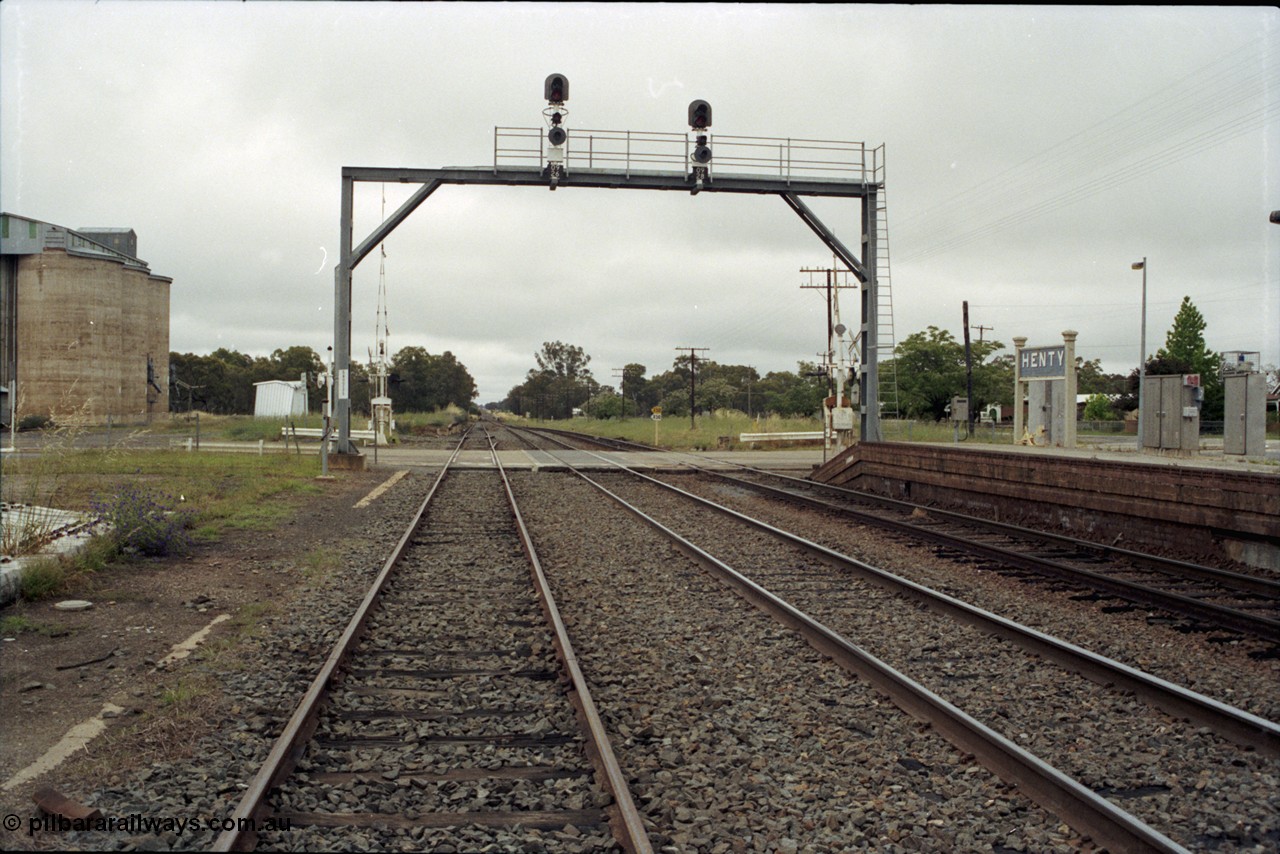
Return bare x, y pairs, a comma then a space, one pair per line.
279, 399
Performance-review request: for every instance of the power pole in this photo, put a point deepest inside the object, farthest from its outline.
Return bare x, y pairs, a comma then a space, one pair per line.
982, 329
836, 279
968, 374
621, 374
693, 373
834, 368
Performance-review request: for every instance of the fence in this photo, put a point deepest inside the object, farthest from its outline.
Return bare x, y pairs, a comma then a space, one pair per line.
758, 156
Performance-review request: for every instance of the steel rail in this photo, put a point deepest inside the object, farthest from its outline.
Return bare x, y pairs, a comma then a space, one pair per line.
1243, 727
253, 809
1081, 808
1235, 580
1265, 628
1254, 625
624, 819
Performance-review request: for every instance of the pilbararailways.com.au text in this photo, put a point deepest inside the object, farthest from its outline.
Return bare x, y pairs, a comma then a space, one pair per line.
138, 823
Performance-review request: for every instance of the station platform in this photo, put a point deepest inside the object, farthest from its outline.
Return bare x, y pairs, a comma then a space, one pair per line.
1209, 505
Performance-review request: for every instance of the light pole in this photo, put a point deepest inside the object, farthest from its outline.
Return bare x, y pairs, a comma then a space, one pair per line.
1142, 356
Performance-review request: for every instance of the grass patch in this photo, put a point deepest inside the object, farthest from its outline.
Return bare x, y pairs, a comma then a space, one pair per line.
167, 731
319, 564
218, 491
43, 578
179, 694
19, 624
246, 620
96, 554
16, 625
429, 423
200, 496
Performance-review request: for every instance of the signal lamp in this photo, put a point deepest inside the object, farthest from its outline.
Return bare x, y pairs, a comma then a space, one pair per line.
556, 88
701, 151
699, 115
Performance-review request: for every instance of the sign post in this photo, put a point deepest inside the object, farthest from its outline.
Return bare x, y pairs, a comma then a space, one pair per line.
1048, 366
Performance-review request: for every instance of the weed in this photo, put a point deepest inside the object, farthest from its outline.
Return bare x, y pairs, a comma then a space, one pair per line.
25, 530
141, 524
96, 554
35, 422
246, 619
319, 564
178, 695
42, 578
253, 430
17, 624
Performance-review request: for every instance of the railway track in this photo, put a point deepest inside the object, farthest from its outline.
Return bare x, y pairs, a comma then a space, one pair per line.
1203, 598
452, 711
1213, 598
940, 672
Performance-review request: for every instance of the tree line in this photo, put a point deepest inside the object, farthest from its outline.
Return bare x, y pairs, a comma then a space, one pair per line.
223, 381
562, 382
929, 367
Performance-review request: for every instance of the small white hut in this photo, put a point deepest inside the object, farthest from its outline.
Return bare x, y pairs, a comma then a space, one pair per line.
279, 399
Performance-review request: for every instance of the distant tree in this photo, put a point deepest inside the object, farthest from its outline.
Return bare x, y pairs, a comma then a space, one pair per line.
1185, 344
427, 382
221, 382
790, 394
605, 403
1098, 408
633, 386
930, 370
562, 360
1090, 378
560, 383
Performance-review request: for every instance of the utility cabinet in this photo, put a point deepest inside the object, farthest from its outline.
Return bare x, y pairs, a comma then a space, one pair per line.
1171, 413
1245, 414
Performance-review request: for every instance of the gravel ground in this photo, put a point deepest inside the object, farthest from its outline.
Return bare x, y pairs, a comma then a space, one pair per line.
1197, 788
461, 599
261, 691
1207, 663
736, 735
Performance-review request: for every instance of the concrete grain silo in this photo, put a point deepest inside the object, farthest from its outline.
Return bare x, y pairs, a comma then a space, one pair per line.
81, 323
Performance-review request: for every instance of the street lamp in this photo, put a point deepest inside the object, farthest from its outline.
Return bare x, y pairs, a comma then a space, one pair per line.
1142, 356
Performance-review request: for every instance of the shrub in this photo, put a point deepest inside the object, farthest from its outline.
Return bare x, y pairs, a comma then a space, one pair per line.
42, 578
140, 523
1098, 408
34, 422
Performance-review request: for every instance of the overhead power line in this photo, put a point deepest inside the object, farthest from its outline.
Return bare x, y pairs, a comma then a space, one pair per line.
1213, 105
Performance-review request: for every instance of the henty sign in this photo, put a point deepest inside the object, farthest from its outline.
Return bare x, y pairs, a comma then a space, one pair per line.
1042, 363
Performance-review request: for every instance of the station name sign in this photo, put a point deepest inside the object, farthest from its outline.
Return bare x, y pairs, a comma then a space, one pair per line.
1042, 362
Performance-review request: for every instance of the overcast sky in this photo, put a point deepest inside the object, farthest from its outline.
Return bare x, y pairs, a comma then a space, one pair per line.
1033, 154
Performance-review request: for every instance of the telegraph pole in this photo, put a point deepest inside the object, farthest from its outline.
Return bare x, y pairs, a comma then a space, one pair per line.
968, 375
621, 374
982, 329
693, 373
832, 367
836, 279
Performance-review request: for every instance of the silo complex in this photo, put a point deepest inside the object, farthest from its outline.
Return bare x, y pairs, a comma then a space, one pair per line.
82, 324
